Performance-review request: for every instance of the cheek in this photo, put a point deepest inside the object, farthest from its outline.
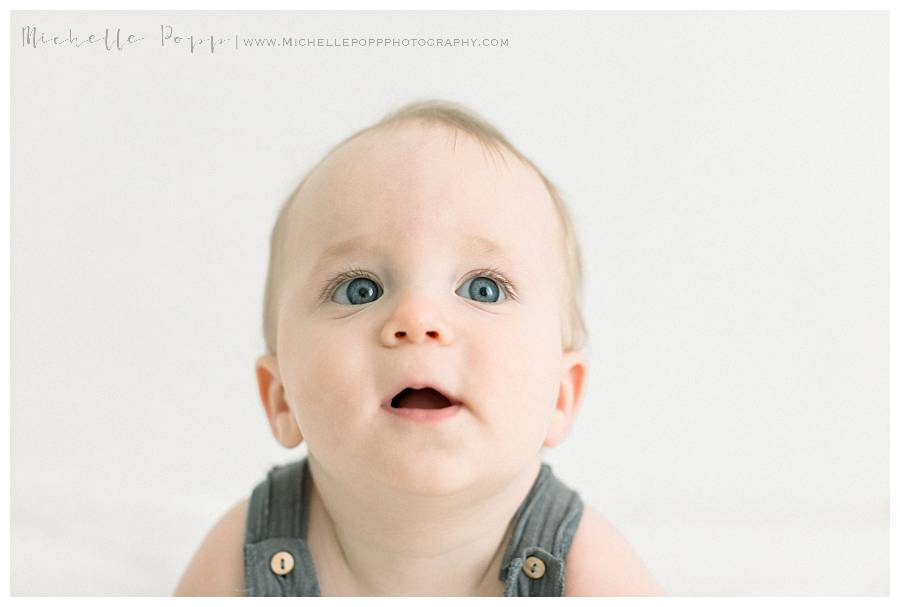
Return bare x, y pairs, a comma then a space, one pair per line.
516, 371
323, 374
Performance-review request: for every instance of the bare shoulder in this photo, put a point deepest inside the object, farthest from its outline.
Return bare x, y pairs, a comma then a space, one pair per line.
602, 563
217, 568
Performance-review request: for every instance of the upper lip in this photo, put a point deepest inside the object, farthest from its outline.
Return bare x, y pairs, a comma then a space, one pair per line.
420, 384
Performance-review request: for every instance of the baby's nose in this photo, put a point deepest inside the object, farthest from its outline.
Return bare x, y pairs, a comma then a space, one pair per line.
416, 320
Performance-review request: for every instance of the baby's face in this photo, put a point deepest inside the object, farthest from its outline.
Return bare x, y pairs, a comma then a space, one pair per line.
415, 212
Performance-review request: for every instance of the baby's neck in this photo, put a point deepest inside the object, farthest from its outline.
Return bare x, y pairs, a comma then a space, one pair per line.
389, 545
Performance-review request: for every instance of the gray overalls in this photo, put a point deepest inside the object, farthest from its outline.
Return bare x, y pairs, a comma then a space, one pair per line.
277, 561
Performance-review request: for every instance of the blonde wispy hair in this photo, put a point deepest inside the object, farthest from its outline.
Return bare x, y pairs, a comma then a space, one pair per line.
459, 118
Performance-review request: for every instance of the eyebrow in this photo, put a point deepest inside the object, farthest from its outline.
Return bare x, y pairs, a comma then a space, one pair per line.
473, 242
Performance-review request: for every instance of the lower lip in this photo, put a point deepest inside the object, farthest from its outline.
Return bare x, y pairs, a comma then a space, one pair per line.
425, 415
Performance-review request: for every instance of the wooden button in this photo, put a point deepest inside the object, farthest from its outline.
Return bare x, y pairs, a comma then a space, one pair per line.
534, 567
282, 563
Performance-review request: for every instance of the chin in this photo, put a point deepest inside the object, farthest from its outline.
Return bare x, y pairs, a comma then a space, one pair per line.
428, 475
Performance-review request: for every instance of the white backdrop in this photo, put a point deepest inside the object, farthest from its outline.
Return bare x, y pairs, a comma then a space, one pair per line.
728, 176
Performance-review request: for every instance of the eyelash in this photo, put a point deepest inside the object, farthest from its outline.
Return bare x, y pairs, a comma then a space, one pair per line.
330, 286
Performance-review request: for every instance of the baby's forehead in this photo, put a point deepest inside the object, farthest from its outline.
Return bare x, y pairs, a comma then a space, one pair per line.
423, 170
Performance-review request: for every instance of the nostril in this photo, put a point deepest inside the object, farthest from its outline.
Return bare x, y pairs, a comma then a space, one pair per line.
434, 334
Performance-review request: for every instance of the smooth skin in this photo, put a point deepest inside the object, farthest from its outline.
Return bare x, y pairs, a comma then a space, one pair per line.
401, 508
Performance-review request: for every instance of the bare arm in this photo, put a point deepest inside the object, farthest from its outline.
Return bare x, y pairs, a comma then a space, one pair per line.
217, 568
602, 563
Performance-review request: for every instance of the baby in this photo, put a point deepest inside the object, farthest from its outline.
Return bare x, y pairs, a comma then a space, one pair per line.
424, 338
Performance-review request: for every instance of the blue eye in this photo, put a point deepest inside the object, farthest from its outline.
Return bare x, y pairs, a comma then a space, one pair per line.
482, 288
360, 290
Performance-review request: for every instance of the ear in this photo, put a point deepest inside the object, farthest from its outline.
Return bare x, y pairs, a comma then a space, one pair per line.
271, 392
573, 371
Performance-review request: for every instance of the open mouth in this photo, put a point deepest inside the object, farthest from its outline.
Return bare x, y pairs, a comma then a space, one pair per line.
426, 398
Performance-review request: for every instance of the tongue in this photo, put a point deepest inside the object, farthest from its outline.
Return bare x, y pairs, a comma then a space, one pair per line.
423, 399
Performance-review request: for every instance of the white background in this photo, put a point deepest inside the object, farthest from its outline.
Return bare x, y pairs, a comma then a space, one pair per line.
728, 176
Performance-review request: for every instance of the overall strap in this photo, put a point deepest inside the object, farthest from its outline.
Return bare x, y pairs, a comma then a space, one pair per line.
277, 561
545, 523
